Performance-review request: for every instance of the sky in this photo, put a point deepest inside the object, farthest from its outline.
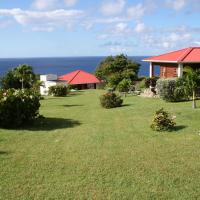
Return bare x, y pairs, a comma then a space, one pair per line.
51, 28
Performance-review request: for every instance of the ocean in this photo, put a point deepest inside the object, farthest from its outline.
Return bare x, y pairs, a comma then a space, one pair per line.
63, 65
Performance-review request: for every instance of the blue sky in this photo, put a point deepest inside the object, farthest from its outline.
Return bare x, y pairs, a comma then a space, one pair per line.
44, 28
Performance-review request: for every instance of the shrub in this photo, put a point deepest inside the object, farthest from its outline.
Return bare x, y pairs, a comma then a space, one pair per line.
162, 121
110, 100
171, 90
18, 107
124, 85
58, 90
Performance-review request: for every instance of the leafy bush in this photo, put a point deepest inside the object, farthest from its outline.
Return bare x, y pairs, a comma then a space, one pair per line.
124, 85
58, 90
110, 100
162, 121
18, 107
171, 90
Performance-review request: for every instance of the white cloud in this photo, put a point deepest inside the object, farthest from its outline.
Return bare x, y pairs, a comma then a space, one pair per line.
40, 18
176, 4
112, 7
42, 29
120, 49
197, 43
120, 28
137, 11
140, 27
167, 41
44, 4
70, 3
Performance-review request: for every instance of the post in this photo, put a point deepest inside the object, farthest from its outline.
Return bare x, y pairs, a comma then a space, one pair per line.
151, 70
180, 70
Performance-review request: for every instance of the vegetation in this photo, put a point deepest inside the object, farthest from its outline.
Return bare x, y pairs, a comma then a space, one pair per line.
81, 151
20, 77
171, 90
162, 121
18, 107
124, 85
58, 90
110, 100
113, 70
190, 82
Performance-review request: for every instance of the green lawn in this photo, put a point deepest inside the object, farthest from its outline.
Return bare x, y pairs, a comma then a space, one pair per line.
82, 151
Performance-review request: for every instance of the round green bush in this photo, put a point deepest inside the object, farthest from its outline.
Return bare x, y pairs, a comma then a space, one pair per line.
18, 107
110, 100
58, 90
162, 121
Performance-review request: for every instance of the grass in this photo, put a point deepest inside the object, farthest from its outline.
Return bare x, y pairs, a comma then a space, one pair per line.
82, 151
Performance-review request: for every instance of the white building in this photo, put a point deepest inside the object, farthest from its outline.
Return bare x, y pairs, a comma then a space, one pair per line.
48, 81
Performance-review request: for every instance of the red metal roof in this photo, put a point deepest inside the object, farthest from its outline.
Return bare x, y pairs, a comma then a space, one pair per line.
79, 77
187, 55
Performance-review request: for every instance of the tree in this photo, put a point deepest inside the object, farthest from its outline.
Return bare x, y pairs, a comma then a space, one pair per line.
114, 69
191, 82
19, 78
124, 86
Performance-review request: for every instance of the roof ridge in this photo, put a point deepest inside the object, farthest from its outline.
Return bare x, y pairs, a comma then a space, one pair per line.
78, 71
186, 53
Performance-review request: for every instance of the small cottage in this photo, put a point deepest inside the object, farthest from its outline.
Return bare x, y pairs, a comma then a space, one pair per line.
81, 80
48, 81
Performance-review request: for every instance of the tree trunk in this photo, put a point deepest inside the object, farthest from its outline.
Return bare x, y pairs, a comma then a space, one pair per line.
22, 83
194, 100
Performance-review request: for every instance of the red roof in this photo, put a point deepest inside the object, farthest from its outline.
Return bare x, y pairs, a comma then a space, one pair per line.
187, 55
79, 77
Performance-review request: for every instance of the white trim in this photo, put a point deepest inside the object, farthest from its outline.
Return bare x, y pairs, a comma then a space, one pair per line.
151, 70
163, 61
160, 61
180, 70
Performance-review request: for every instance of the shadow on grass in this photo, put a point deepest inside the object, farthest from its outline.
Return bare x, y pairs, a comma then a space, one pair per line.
178, 128
49, 124
125, 105
3, 153
74, 105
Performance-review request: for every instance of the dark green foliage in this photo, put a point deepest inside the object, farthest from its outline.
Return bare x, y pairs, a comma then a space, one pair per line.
124, 85
110, 100
18, 107
171, 90
19, 78
162, 121
114, 69
166, 88
190, 83
58, 90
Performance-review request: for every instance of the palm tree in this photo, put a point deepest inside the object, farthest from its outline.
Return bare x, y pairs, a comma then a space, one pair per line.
25, 74
192, 80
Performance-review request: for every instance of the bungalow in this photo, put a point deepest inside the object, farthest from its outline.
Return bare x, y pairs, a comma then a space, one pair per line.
48, 81
172, 63
81, 80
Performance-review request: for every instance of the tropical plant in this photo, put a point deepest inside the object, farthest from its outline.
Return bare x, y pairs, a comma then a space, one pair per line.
191, 80
114, 69
20, 77
162, 121
124, 85
110, 100
18, 107
58, 90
